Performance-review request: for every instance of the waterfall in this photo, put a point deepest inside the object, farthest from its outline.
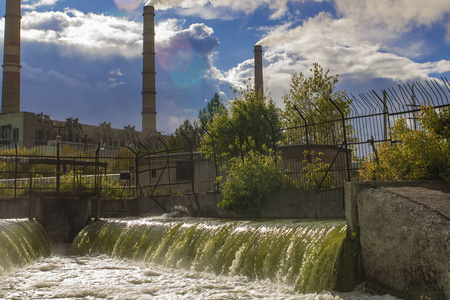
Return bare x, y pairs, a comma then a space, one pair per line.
21, 241
303, 254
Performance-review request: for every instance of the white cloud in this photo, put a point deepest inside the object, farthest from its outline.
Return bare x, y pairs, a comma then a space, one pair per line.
77, 32
33, 4
116, 72
102, 36
223, 9
111, 83
166, 29
336, 44
398, 15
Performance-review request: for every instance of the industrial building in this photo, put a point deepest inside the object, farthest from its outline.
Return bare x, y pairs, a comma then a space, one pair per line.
28, 129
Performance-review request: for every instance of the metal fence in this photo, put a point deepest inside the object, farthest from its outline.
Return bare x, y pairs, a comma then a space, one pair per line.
66, 168
320, 148
332, 140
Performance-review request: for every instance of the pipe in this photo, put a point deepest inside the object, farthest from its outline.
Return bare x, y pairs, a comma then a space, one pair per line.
149, 73
11, 59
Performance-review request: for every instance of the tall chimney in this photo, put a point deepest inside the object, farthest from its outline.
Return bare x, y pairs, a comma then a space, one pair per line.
11, 59
148, 74
259, 87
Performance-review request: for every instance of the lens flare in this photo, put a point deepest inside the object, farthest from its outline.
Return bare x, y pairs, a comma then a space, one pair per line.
127, 5
183, 63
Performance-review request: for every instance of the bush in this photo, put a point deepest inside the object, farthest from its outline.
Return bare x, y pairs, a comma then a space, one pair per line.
249, 181
314, 173
414, 154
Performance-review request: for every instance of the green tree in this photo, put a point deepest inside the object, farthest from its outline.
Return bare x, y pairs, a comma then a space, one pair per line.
244, 127
311, 96
213, 107
186, 135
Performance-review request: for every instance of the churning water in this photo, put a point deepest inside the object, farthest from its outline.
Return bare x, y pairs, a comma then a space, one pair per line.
187, 259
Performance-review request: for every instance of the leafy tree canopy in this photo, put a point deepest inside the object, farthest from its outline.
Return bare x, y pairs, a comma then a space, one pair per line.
311, 97
245, 127
213, 107
186, 136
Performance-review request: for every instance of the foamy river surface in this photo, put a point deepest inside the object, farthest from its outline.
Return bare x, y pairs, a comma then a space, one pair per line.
102, 277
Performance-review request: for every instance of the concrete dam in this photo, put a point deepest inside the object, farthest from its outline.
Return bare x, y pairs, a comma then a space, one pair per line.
394, 241
206, 259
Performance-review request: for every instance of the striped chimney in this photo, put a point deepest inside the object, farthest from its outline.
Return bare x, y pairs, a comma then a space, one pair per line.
148, 73
259, 86
11, 59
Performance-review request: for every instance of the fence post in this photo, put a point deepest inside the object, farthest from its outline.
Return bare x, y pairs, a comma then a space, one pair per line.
136, 170
345, 139
74, 174
306, 133
96, 170
167, 163
16, 171
385, 116
273, 137
58, 163
240, 139
31, 182
191, 161
385, 113
215, 158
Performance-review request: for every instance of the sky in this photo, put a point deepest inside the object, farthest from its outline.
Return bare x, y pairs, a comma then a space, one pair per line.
83, 58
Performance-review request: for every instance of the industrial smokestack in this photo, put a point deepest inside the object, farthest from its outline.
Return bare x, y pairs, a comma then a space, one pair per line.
11, 59
148, 74
259, 86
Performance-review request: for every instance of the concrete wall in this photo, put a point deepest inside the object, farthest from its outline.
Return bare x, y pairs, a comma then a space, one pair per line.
62, 216
295, 204
15, 208
404, 231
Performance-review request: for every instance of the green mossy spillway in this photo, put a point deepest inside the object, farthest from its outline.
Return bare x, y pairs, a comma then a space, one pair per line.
303, 254
21, 241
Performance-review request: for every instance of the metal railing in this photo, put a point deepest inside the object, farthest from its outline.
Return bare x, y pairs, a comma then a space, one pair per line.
320, 148
66, 168
332, 140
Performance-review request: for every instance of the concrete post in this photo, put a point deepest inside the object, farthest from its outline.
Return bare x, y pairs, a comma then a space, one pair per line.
149, 73
11, 59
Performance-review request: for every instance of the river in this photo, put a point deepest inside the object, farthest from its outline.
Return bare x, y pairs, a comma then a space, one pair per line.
159, 258
103, 277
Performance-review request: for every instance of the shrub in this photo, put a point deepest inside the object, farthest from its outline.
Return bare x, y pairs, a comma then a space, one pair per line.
314, 173
414, 154
249, 181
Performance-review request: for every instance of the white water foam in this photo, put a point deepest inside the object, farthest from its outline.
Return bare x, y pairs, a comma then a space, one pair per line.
102, 277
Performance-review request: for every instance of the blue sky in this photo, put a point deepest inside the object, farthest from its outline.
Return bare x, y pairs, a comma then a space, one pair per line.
82, 58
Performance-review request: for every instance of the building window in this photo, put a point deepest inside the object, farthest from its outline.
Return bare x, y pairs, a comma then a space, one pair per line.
15, 135
153, 173
4, 133
184, 171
